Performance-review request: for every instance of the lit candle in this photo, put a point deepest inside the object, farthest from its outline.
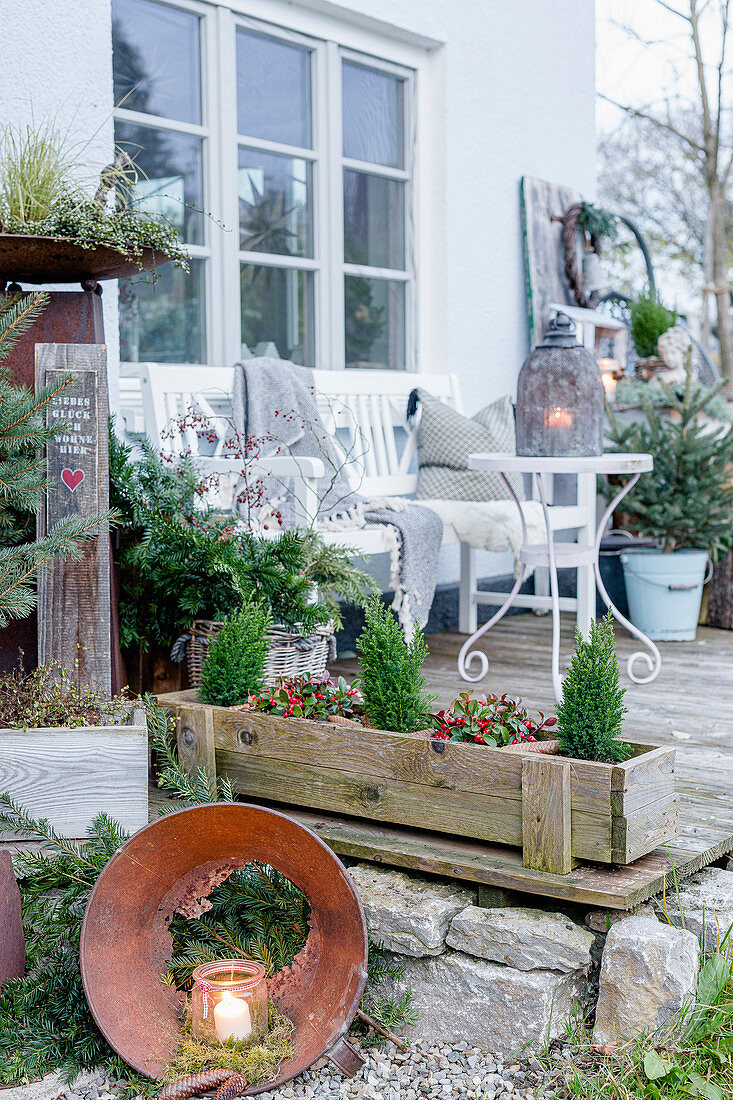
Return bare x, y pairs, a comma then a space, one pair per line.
609, 385
559, 418
232, 1018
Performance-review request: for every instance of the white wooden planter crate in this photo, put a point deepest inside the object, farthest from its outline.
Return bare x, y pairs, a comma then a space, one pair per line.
71, 775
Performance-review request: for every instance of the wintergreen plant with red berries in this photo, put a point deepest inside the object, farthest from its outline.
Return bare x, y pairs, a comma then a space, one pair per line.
492, 720
308, 696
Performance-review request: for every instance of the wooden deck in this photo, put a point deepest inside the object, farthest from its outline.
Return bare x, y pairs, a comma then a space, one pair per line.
689, 706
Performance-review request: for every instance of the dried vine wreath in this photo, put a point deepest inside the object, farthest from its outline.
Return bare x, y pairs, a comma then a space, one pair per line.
571, 223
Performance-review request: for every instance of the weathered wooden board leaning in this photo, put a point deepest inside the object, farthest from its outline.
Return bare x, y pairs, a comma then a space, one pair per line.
557, 810
71, 775
74, 596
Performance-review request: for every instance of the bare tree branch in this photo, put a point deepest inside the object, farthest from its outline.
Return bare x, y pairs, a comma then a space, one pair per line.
673, 11
636, 112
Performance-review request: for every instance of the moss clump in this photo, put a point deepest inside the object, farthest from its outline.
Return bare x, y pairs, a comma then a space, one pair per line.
258, 1063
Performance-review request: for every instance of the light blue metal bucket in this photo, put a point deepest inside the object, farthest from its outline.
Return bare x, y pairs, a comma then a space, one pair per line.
665, 592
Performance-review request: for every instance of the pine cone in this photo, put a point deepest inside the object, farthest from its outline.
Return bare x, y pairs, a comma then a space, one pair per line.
194, 1083
235, 1086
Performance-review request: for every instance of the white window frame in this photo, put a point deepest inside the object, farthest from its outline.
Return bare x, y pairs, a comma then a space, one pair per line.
331, 40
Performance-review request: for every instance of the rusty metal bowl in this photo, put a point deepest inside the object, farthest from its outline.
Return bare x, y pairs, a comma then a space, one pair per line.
170, 866
28, 259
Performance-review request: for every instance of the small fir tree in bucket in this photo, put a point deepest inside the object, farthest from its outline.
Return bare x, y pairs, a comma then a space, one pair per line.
590, 716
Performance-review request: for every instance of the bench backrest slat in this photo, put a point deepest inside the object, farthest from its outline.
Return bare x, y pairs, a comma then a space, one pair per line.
366, 408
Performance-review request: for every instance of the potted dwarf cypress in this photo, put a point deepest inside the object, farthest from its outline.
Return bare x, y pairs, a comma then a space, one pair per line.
685, 503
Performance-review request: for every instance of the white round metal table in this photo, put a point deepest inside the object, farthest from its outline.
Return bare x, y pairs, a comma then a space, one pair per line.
560, 555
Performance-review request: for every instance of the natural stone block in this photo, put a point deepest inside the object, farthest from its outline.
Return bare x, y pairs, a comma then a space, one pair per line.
52, 1086
601, 920
495, 1008
648, 972
527, 939
408, 914
707, 902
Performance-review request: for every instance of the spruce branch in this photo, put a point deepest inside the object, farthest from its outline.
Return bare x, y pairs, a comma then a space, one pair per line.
18, 312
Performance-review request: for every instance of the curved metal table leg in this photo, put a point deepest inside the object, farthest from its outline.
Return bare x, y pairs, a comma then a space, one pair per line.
653, 659
468, 655
554, 593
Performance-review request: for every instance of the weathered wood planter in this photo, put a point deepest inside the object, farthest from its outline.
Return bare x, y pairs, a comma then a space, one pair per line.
71, 775
557, 810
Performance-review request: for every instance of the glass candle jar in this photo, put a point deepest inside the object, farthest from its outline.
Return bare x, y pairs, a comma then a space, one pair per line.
229, 1001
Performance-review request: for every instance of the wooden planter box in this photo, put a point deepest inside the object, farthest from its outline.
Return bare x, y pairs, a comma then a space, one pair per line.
557, 810
71, 775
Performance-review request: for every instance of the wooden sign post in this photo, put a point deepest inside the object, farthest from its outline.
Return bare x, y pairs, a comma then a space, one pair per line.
74, 596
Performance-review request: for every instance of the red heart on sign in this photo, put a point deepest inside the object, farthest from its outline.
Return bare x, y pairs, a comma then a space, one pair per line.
72, 479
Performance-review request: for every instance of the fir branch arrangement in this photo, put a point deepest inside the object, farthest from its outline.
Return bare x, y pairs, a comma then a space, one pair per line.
180, 561
590, 716
392, 681
256, 913
686, 501
235, 662
23, 434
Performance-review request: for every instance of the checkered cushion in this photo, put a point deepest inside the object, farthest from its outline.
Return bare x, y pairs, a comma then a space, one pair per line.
445, 439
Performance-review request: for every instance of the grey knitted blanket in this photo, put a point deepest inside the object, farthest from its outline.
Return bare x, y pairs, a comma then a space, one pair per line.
274, 402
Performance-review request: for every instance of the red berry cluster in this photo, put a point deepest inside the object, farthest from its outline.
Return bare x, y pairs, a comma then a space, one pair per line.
490, 720
309, 697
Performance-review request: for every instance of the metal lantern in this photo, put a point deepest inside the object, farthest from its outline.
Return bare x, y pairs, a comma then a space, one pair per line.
229, 1001
560, 397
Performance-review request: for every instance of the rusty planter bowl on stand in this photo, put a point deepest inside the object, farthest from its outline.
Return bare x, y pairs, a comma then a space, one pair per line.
170, 866
25, 258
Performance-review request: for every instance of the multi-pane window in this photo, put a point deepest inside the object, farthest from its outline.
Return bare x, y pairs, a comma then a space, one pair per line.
275, 192
157, 87
374, 183
315, 218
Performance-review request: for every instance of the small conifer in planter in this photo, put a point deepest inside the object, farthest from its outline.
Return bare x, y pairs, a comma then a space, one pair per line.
235, 663
392, 682
590, 716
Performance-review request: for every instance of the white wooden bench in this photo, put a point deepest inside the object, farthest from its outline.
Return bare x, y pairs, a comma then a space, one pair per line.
368, 410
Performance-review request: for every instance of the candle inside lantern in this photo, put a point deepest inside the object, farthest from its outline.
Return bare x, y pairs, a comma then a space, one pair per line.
232, 1018
609, 385
559, 418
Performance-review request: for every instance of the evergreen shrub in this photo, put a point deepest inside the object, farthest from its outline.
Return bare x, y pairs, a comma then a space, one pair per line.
590, 716
234, 665
392, 681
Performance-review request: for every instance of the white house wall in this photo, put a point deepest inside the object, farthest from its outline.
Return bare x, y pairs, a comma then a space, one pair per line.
56, 65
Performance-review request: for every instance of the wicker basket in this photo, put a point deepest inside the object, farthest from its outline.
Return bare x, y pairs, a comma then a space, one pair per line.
290, 654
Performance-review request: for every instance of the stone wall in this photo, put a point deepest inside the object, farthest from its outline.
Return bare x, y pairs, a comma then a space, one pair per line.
499, 978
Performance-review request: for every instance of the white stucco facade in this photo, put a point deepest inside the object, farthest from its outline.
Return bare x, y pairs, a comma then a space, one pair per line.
503, 90
56, 66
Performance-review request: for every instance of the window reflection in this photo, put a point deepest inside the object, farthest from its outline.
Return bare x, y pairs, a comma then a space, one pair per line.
155, 60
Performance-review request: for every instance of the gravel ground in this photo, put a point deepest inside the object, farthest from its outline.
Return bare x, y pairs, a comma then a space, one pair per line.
425, 1072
